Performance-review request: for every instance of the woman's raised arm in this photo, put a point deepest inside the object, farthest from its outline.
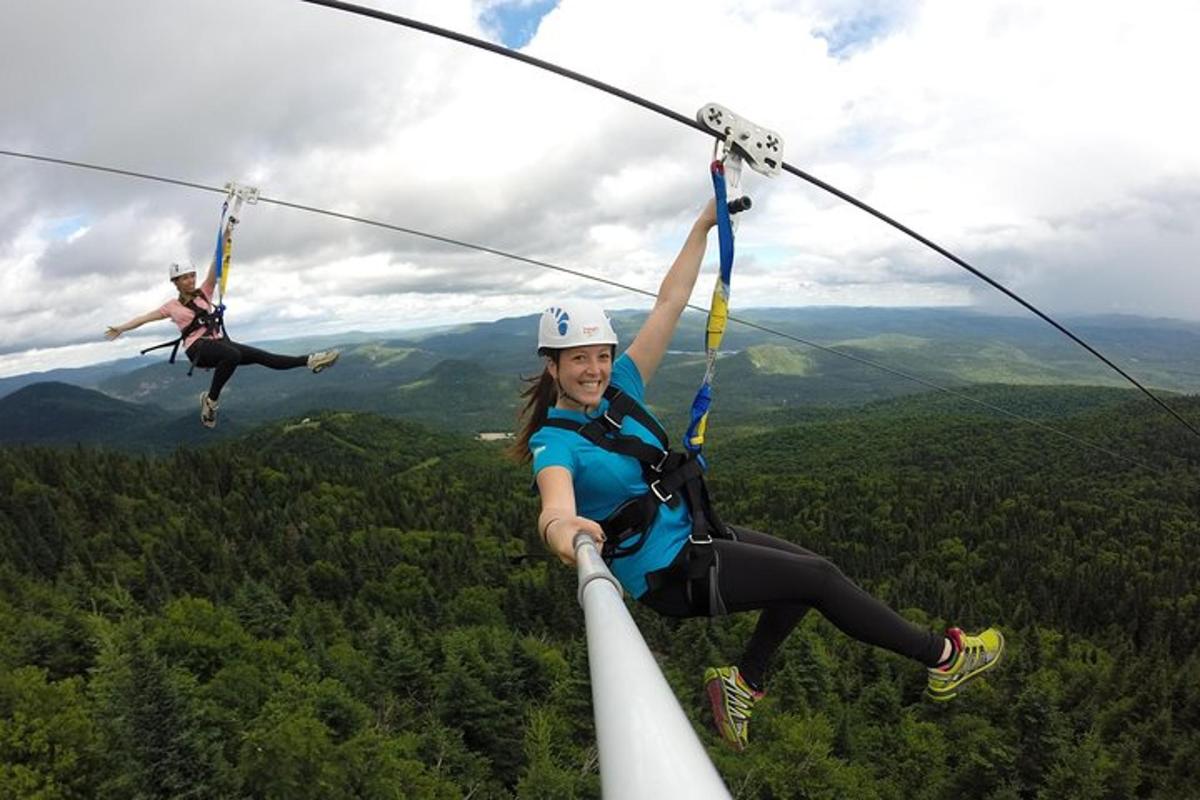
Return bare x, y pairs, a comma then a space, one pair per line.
651, 342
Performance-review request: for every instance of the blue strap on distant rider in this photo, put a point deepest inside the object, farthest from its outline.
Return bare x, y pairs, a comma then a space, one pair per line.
219, 256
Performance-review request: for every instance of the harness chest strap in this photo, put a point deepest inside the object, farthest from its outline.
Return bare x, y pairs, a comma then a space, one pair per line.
211, 319
670, 476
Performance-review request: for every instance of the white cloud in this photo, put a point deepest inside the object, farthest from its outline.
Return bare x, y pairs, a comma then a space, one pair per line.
1050, 144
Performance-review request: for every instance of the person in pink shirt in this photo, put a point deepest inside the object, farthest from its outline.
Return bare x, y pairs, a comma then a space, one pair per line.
202, 336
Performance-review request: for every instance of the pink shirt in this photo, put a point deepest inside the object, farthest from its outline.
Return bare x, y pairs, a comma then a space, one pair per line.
182, 316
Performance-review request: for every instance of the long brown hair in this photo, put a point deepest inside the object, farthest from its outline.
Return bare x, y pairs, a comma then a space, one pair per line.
539, 394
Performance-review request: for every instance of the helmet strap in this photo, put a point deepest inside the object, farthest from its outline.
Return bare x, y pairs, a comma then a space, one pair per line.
564, 393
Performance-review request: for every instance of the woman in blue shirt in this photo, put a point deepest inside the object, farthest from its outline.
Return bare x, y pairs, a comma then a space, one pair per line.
595, 454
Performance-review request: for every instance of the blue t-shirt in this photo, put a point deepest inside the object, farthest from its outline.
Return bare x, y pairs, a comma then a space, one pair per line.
604, 480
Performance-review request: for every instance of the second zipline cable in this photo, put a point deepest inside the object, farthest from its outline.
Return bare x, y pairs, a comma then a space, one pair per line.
587, 276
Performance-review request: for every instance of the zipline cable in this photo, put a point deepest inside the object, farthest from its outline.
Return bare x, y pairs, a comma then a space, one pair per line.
587, 276
462, 38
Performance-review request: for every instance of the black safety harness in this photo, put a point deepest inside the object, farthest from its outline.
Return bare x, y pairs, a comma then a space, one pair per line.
672, 477
211, 320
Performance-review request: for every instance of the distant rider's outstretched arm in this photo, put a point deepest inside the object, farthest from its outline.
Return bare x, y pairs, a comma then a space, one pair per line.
558, 523
113, 331
651, 342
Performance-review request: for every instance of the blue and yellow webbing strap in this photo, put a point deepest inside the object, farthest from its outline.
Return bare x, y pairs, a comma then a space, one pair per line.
221, 256
718, 315
224, 250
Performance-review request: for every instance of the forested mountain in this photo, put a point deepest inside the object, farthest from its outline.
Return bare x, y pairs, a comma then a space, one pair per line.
60, 414
57, 413
354, 606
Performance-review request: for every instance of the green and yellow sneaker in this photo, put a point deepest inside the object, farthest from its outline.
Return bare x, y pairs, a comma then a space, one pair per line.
974, 655
732, 704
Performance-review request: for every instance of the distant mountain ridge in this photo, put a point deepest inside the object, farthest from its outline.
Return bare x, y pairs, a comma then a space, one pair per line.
467, 378
86, 377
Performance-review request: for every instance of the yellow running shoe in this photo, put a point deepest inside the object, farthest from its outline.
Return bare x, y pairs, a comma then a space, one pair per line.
974, 655
732, 702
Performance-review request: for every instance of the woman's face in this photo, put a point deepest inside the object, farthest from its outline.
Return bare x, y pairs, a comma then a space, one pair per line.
583, 374
186, 283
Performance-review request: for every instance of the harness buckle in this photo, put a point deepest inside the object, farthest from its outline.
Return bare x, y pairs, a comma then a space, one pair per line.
659, 466
658, 493
614, 424
708, 539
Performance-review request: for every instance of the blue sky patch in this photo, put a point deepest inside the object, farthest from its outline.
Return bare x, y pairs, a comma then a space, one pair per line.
516, 21
65, 228
851, 35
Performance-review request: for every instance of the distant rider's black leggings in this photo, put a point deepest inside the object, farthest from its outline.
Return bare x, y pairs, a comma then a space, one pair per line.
225, 355
785, 580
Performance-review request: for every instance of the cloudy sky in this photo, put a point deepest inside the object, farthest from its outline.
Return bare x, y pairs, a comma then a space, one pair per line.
1053, 145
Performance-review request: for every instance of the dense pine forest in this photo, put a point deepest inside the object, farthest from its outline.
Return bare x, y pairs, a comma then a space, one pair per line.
349, 606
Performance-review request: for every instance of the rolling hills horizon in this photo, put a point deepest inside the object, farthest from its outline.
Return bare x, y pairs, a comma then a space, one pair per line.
467, 378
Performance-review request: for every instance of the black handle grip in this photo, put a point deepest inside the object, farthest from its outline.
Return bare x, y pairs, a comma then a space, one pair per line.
739, 205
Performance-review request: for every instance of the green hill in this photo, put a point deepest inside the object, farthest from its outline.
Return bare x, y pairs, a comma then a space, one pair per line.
345, 441
57, 413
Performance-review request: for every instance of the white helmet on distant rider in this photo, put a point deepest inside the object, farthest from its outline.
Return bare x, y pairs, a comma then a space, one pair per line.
574, 323
179, 270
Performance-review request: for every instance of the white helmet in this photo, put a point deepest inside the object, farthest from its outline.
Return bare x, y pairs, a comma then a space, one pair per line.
179, 270
573, 324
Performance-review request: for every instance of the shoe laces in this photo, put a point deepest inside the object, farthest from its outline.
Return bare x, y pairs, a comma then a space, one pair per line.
739, 698
971, 654
974, 653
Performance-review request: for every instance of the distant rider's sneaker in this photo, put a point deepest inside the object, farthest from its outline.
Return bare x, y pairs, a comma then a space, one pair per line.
322, 360
974, 655
732, 702
208, 411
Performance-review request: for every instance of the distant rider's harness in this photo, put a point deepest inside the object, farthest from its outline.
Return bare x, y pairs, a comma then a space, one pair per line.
211, 320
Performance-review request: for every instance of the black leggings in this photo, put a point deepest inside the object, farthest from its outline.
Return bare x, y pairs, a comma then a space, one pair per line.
758, 571
225, 355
